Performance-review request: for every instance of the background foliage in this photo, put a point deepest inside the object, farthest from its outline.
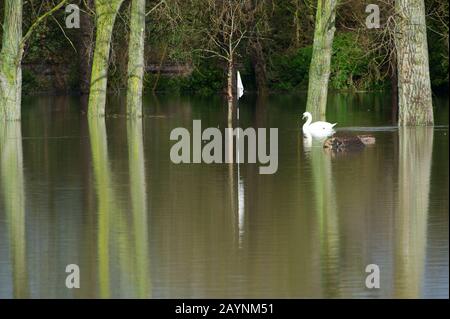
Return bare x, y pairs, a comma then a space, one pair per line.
173, 37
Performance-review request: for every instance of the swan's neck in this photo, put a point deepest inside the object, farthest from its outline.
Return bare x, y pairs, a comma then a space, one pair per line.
307, 123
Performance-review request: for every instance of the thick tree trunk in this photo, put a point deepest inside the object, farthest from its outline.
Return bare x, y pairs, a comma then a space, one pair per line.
414, 88
84, 46
10, 62
106, 11
136, 59
319, 71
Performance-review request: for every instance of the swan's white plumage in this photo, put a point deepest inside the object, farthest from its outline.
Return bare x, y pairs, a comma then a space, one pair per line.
317, 129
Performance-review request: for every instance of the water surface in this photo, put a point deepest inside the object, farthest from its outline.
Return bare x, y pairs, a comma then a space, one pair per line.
104, 195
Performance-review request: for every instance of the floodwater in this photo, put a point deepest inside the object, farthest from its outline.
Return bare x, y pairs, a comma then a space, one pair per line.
104, 195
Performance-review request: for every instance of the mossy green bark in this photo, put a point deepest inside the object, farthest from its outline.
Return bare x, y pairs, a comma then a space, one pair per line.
136, 59
414, 87
106, 12
319, 71
10, 62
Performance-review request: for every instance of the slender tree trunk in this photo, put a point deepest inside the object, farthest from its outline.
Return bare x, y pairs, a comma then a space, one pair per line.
414, 87
136, 59
231, 80
230, 70
259, 65
106, 11
161, 61
297, 23
257, 57
394, 92
319, 71
10, 62
84, 47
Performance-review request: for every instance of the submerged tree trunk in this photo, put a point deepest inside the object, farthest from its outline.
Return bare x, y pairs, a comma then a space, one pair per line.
11, 57
136, 59
414, 88
319, 71
10, 62
106, 12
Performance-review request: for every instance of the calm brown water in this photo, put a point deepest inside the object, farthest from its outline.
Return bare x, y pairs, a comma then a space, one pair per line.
104, 195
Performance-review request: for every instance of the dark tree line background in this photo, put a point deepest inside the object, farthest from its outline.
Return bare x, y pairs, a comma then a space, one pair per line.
274, 54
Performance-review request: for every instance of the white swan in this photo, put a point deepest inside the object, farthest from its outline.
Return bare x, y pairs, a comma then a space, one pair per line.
317, 129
